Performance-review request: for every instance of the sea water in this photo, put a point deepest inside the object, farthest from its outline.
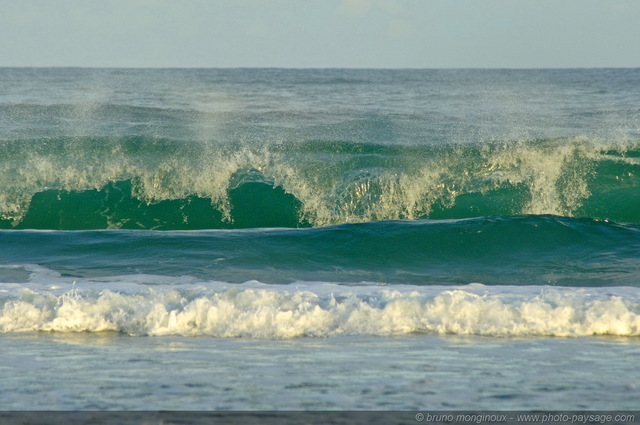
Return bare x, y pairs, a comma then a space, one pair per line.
274, 239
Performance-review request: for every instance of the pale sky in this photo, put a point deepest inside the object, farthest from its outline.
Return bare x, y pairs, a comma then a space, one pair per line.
321, 33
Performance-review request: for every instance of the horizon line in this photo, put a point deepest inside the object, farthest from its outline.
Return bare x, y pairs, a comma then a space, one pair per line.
310, 68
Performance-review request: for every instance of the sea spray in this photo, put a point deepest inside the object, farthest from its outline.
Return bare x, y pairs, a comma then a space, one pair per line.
145, 183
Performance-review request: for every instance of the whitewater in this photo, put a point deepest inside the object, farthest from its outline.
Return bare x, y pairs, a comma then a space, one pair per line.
267, 239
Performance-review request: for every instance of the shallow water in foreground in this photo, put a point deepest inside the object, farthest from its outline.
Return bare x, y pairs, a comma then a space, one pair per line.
115, 372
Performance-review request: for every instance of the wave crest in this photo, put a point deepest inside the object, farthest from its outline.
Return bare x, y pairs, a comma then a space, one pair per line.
311, 183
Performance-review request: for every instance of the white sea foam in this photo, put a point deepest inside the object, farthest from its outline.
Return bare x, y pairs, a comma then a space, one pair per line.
148, 305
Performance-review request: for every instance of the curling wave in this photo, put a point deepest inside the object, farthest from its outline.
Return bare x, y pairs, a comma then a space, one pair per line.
144, 183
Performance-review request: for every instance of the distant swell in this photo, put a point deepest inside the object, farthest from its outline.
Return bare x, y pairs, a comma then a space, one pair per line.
146, 183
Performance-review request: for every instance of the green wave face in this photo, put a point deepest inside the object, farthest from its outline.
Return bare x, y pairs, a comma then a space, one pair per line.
115, 206
146, 183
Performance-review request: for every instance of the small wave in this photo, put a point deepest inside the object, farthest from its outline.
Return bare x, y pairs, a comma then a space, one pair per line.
324, 310
518, 250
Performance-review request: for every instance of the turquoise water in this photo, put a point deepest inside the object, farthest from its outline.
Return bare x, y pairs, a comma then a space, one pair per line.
290, 222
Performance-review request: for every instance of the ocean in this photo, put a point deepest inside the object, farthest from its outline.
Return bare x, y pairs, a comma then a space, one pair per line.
330, 239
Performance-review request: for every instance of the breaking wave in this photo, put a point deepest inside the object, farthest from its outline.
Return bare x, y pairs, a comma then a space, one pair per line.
143, 183
253, 310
